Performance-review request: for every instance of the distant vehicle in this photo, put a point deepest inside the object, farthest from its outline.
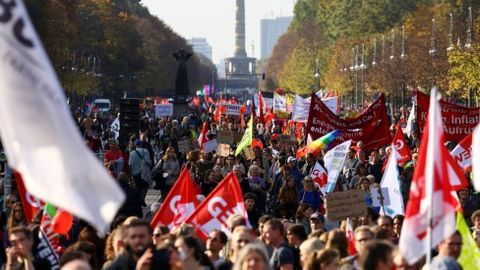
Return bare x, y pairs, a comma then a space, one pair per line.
102, 104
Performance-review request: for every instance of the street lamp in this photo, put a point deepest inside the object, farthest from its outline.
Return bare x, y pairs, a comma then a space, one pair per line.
468, 43
362, 67
450, 34
433, 43
392, 54
317, 74
374, 63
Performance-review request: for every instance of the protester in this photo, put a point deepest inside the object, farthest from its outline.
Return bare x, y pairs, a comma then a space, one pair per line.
215, 243
20, 253
252, 257
282, 257
448, 253
139, 161
327, 259
377, 255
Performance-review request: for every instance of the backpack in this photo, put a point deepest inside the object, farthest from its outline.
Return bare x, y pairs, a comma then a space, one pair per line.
146, 174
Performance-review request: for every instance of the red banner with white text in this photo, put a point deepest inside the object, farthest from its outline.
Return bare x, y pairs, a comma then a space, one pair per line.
458, 121
371, 126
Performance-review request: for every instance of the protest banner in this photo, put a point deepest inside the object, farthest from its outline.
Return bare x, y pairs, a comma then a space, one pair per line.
458, 121
345, 204
162, 110
301, 107
371, 126
289, 98
232, 109
223, 150
184, 145
210, 146
228, 136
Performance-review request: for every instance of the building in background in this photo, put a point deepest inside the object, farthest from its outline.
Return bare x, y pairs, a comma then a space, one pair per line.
271, 30
200, 45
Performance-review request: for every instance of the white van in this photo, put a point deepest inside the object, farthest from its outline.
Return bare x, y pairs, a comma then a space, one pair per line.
102, 104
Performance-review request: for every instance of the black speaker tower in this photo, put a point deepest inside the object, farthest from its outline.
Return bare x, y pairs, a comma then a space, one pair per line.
129, 119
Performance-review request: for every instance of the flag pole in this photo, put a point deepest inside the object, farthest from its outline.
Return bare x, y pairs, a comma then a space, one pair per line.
429, 185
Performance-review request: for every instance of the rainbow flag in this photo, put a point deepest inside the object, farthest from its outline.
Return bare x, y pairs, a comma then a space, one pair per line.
319, 144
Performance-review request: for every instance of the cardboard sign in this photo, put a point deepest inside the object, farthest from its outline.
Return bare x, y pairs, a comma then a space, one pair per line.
286, 141
162, 110
228, 136
223, 150
184, 146
346, 204
249, 154
210, 146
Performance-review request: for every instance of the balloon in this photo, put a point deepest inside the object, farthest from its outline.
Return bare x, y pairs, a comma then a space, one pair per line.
62, 222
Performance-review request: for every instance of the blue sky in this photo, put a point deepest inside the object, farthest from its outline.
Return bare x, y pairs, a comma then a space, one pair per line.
215, 20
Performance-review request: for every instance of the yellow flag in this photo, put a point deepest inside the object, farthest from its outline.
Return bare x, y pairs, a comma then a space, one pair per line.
246, 139
470, 256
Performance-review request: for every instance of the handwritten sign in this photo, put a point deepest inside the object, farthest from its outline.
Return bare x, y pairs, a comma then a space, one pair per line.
184, 146
346, 204
228, 136
223, 150
249, 154
162, 110
210, 146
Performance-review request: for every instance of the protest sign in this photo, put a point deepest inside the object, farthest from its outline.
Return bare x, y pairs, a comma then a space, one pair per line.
210, 146
289, 98
345, 204
184, 145
249, 154
232, 109
458, 121
223, 150
279, 103
162, 110
371, 126
228, 136
286, 140
301, 107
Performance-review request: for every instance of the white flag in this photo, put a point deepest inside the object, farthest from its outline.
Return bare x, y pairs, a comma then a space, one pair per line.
334, 160
411, 117
476, 158
38, 132
390, 187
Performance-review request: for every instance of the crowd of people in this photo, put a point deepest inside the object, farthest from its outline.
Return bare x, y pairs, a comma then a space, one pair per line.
287, 226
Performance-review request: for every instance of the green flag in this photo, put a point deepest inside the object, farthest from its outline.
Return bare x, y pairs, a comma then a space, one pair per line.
470, 256
246, 139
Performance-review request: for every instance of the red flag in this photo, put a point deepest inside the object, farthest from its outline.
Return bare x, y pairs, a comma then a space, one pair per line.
430, 193
203, 135
462, 153
320, 176
196, 101
269, 117
30, 203
243, 110
180, 202
257, 143
225, 200
350, 237
217, 115
401, 146
261, 107
455, 172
